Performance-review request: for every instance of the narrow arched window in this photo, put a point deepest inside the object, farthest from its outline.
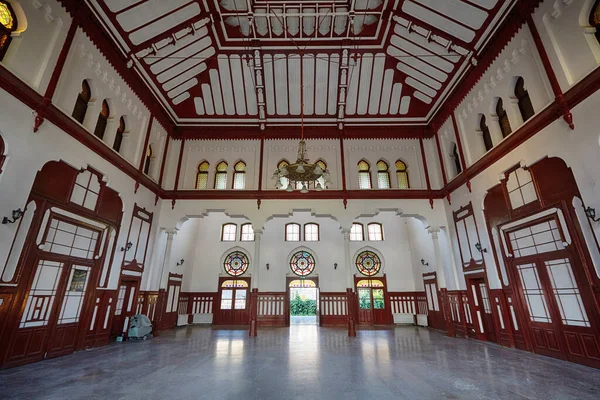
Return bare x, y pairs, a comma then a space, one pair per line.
503, 120
8, 24
383, 175
148, 160
81, 105
239, 175
456, 159
364, 175
522, 95
375, 231
311, 232
229, 233
357, 233
402, 175
2, 156
119, 136
321, 181
595, 18
202, 175
485, 133
283, 181
221, 176
292, 233
247, 234
102, 120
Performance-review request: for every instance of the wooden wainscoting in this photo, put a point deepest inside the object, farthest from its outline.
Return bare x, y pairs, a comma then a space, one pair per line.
333, 309
271, 309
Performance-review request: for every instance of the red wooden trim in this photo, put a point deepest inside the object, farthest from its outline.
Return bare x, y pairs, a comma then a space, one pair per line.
459, 144
164, 161
544, 57
442, 165
145, 148
424, 157
343, 161
60, 62
260, 166
469, 213
179, 165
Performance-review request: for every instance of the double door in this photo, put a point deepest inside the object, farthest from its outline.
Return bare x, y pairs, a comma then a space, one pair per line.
556, 301
125, 307
233, 302
372, 304
481, 308
54, 312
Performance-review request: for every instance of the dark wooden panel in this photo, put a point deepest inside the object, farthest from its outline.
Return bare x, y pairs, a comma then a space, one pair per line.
55, 181
111, 206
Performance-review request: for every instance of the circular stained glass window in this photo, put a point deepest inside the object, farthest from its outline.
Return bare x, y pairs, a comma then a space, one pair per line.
368, 263
302, 263
236, 263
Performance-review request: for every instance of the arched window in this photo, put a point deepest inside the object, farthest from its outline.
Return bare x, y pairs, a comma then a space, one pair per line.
292, 233
229, 233
522, 95
402, 175
302, 263
2, 156
284, 182
368, 263
485, 133
8, 24
119, 136
364, 175
357, 233
247, 234
221, 176
375, 232
383, 175
456, 158
311, 232
148, 160
236, 263
202, 175
321, 181
81, 105
239, 175
595, 18
102, 120
503, 120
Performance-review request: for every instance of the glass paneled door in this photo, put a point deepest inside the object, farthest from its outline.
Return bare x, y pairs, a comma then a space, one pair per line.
234, 302
50, 321
372, 308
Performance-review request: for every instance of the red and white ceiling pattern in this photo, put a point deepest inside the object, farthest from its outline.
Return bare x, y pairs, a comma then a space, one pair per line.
244, 62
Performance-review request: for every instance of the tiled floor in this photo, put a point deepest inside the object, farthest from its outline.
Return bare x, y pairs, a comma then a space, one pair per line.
304, 362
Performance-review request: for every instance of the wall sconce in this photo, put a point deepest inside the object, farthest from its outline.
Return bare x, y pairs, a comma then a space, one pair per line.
334, 265
590, 212
16, 215
479, 248
180, 263
127, 247
267, 266
424, 263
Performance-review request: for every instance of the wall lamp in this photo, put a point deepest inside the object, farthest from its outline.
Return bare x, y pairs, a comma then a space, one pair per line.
424, 263
16, 215
180, 263
334, 265
590, 212
127, 247
479, 248
267, 266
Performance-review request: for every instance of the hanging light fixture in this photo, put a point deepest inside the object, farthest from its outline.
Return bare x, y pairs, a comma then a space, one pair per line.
301, 173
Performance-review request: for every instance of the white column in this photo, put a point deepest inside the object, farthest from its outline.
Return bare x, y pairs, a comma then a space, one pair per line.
348, 260
164, 272
441, 271
495, 131
480, 144
256, 264
110, 132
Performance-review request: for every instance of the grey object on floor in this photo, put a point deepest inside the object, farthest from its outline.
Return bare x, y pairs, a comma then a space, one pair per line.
302, 362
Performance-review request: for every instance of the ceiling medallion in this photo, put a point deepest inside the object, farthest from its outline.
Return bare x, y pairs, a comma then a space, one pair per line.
302, 173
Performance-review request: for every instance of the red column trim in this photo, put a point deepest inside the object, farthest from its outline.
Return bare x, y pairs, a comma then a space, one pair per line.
260, 169
343, 170
176, 185
424, 157
164, 161
460, 148
145, 148
60, 62
558, 93
439, 150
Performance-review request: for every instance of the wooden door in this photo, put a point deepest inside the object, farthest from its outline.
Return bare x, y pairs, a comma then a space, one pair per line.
233, 302
365, 306
483, 320
50, 321
125, 307
373, 305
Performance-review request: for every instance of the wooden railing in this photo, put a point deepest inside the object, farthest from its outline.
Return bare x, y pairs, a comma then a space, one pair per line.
271, 309
333, 309
197, 306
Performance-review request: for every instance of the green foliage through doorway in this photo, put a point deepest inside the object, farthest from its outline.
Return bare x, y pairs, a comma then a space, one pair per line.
299, 307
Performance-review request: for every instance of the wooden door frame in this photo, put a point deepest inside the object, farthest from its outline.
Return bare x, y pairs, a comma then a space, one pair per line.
386, 298
289, 279
469, 280
136, 292
217, 318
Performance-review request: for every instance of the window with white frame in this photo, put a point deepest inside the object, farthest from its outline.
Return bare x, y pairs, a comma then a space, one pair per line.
521, 190
229, 233
311, 233
86, 190
247, 233
375, 232
357, 233
364, 175
292, 233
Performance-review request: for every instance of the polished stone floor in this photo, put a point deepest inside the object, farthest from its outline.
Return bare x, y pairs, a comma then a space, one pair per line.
304, 362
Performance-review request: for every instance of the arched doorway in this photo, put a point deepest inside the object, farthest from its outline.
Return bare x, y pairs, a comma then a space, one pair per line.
232, 301
302, 301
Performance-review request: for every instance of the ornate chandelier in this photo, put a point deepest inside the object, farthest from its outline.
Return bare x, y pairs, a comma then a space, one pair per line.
302, 173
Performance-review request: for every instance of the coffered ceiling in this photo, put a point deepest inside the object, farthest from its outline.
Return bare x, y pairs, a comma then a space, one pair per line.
245, 62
